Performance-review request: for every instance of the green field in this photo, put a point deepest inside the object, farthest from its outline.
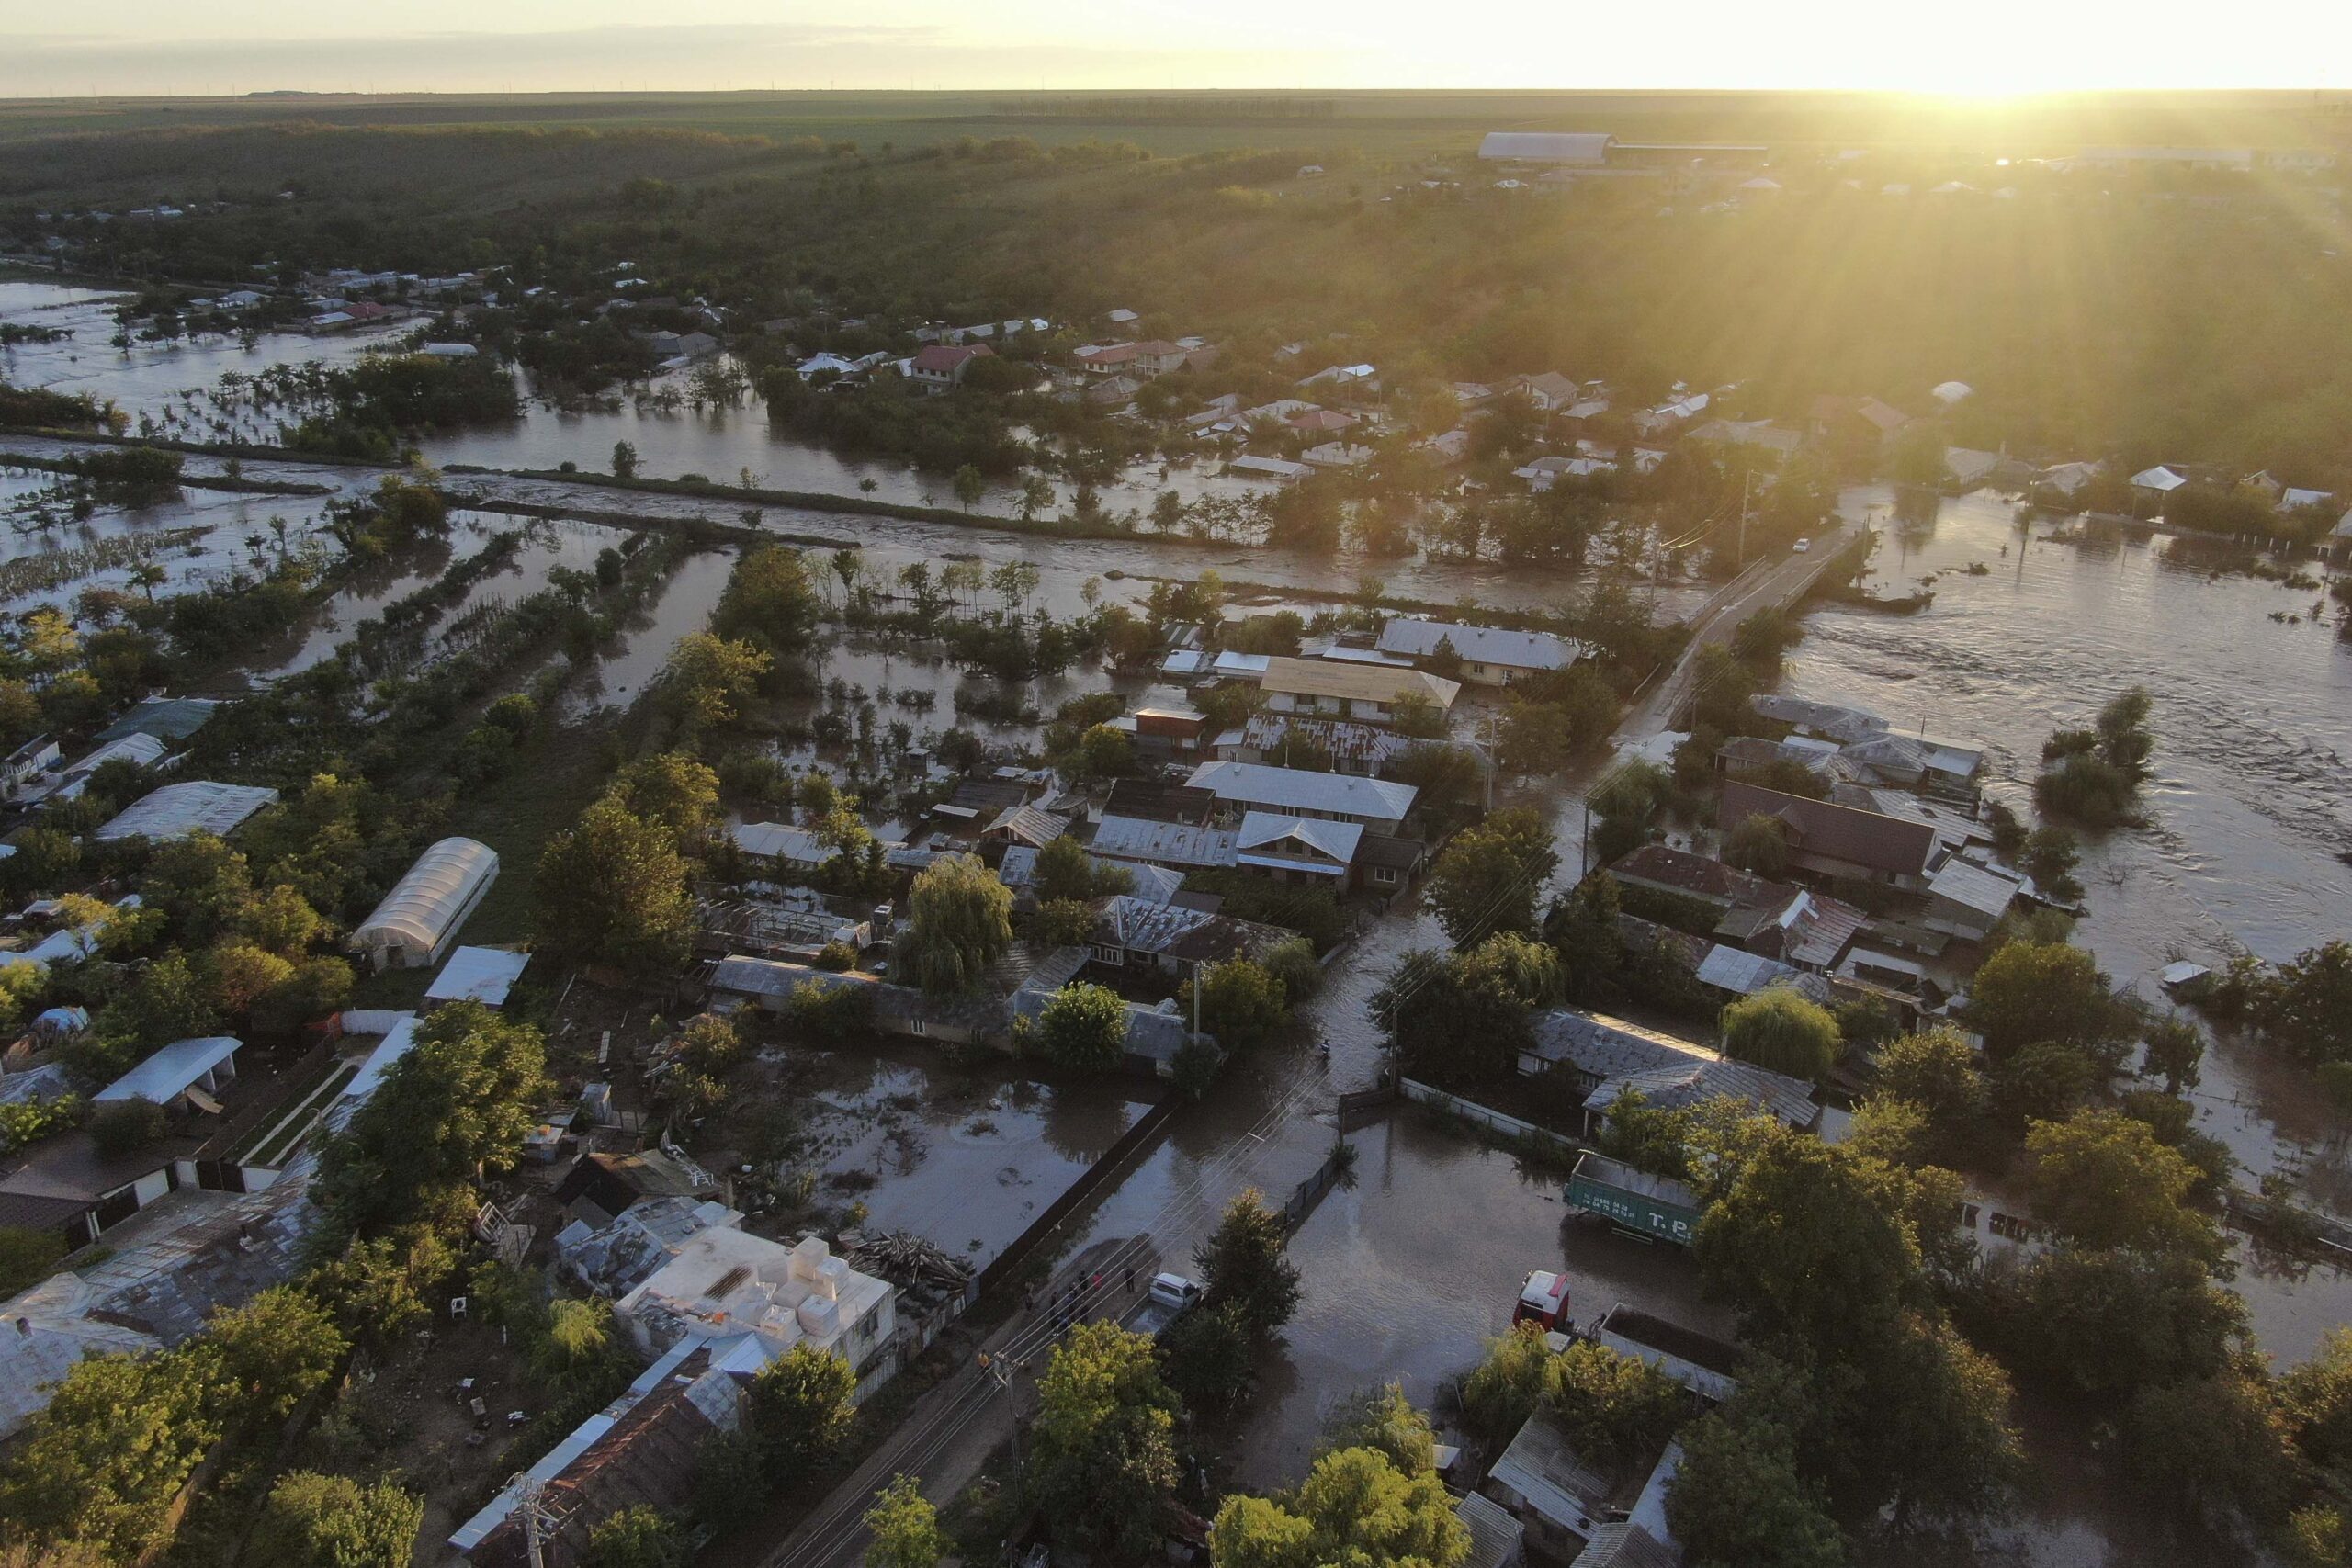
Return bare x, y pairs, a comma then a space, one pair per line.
1174, 124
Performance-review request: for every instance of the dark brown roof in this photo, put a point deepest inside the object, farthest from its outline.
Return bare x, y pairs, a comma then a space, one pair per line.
1682, 871
646, 1457
1159, 802
1399, 854
1889, 844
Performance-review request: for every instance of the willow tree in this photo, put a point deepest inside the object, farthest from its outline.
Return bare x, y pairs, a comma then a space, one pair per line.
959, 921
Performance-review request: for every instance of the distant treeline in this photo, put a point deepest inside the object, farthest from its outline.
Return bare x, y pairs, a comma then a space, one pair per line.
1212, 106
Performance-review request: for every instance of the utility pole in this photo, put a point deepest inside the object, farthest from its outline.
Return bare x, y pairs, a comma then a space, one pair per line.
1747, 475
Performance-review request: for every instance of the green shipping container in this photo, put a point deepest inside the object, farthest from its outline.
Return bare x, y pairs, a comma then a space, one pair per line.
1634, 1199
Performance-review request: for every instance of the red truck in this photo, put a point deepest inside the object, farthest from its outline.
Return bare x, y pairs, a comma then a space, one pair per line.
1543, 1300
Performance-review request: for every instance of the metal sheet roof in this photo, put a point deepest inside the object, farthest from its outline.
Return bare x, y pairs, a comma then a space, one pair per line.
1480, 645
1295, 790
478, 975
177, 810
172, 1069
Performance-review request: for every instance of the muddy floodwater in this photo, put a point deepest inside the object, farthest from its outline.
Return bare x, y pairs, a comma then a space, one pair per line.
966, 1159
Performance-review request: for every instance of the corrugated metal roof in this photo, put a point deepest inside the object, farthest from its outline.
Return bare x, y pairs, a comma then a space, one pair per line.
171, 1069
177, 810
1355, 683
1480, 645
1259, 786
1168, 843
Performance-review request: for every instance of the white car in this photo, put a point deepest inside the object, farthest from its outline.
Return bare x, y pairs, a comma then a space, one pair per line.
1802, 546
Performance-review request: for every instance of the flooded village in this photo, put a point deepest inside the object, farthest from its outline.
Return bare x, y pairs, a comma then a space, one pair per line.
710, 968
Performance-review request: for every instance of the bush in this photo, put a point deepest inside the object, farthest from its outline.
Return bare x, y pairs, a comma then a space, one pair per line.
125, 1126
1777, 1028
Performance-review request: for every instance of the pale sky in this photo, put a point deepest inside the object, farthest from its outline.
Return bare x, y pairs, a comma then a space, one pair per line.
1998, 46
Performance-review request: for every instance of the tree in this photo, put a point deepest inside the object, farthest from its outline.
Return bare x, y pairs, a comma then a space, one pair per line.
1777, 1028
201, 886
1804, 1244
1454, 1020
2176, 1047
2101, 1179
1612, 1408
1936, 1070
1739, 1501
1102, 1455
1101, 752
2028, 992
1508, 1384
959, 921
624, 461
708, 677
1489, 877
1243, 1262
1759, 844
1082, 1026
2050, 856
905, 1528
799, 1407
282, 921
1240, 1002
2309, 1009
2317, 1397
27, 1257
124, 1126
1354, 1507
969, 485
2109, 1321
103, 1460
461, 1101
1206, 1357
309, 1520
771, 600
1385, 1419
613, 890
2213, 1448
273, 1352
673, 789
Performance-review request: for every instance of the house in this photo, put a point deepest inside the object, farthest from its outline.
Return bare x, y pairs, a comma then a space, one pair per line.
1342, 376
1542, 473
2068, 479
1162, 730
790, 851
1558, 1499
1496, 1540
421, 916
938, 366
1759, 438
2294, 499
1240, 787
1668, 416
177, 810
1350, 747
1593, 1047
1606, 1059
1145, 361
1337, 455
1113, 391
720, 1307
599, 1189
68, 784
2153, 487
827, 364
1584, 149
1485, 655
1131, 936
1972, 470
1833, 841
1298, 848
1856, 425
168, 718
448, 351
1322, 421
1025, 825
1679, 875
1967, 901
1934, 765
1549, 391
1249, 465
1152, 883
1339, 691
1159, 802
1179, 846
27, 763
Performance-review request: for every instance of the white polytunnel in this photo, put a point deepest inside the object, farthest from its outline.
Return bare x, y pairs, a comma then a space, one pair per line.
414, 923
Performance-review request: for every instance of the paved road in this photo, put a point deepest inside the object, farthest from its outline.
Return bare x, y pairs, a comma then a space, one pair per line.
1767, 585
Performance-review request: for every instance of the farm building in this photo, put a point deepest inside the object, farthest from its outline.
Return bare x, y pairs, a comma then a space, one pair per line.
413, 926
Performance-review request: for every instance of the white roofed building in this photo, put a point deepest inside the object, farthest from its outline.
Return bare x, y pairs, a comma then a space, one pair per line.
1579, 148
1253, 787
179, 810
1490, 656
415, 922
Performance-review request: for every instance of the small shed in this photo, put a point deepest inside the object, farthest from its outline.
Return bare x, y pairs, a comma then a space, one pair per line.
482, 974
187, 1072
414, 923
